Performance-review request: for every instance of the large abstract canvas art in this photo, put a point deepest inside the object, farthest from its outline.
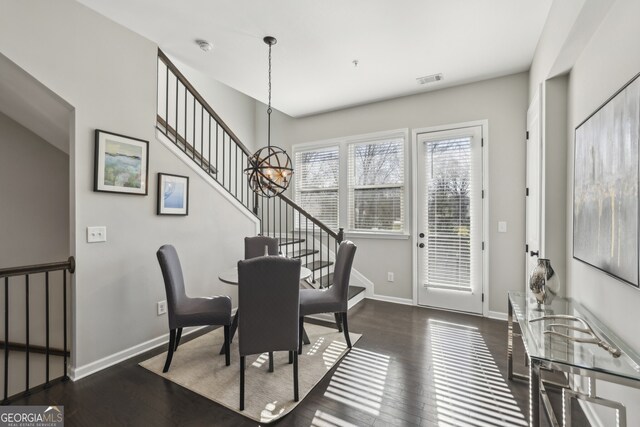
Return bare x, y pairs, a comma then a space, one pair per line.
605, 204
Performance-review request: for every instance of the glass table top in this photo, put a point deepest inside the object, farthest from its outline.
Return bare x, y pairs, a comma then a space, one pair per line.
554, 348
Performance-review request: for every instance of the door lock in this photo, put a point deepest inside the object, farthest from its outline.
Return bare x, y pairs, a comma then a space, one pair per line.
421, 235
421, 245
536, 253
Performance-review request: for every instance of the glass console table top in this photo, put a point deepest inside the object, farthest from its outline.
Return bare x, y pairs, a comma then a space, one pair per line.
556, 349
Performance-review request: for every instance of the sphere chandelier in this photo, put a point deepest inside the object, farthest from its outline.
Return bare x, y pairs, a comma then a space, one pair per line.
269, 170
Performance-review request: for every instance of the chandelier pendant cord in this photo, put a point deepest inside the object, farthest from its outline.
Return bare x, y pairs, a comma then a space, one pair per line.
269, 108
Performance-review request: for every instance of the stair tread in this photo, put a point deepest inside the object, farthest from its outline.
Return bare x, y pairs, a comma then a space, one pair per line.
317, 265
355, 290
325, 280
289, 241
302, 253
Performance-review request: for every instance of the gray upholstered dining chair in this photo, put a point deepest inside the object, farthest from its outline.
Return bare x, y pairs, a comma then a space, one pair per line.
186, 311
334, 299
268, 292
254, 246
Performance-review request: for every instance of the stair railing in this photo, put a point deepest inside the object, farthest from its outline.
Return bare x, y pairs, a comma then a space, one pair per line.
301, 235
188, 121
11, 278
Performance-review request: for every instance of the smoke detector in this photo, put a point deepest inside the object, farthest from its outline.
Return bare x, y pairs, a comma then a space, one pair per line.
204, 45
430, 79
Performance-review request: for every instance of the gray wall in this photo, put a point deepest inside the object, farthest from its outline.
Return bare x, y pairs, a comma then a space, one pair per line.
107, 73
503, 102
606, 62
34, 195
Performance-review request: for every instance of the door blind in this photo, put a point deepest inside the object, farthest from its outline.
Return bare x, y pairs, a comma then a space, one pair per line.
448, 213
316, 179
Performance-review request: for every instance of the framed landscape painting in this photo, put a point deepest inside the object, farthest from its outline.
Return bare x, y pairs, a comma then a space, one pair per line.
173, 194
121, 164
605, 196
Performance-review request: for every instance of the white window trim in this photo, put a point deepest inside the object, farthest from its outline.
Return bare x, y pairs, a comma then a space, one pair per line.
343, 190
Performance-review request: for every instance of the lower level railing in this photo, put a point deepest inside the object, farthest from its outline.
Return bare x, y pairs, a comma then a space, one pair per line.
35, 323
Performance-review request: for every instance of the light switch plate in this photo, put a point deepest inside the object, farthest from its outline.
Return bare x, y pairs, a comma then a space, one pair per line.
502, 226
96, 234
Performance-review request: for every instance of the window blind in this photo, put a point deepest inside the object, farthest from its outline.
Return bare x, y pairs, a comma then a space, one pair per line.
376, 185
316, 184
448, 215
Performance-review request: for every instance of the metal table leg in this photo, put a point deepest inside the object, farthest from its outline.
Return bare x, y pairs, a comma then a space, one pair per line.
534, 394
510, 341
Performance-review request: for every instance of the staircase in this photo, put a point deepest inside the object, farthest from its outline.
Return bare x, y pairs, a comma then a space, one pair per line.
189, 122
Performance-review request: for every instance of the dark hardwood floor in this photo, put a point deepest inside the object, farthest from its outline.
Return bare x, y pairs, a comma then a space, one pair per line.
413, 366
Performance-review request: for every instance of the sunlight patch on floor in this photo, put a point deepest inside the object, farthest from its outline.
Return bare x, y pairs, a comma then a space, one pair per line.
469, 389
359, 381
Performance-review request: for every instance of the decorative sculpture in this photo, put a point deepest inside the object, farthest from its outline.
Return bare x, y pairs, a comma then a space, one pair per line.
594, 339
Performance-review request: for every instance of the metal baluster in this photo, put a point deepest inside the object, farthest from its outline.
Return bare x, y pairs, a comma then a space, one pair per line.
209, 171
176, 128
320, 248
6, 340
27, 333
201, 134
262, 217
299, 234
229, 164
193, 135
236, 174
223, 157
185, 119
313, 247
64, 323
46, 275
274, 218
166, 102
280, 218
267, 227
306, 243
328, 258
217, 132
286, 224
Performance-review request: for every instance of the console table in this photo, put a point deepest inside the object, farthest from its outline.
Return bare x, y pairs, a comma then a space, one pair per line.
548, 352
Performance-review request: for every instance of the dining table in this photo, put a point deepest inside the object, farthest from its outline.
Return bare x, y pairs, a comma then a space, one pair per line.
230, 277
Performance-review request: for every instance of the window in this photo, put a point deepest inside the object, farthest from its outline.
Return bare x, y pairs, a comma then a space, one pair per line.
376, 186
317, 178
357, 183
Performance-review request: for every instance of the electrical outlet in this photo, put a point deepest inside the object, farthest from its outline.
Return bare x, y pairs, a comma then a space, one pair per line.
96, 234
162, 307
390, 276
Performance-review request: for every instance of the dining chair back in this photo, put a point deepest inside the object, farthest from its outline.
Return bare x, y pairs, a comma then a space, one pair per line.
255, 246
185, 311
268, 293
335, 299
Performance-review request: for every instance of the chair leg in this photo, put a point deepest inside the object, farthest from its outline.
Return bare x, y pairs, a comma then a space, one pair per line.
291, 357
227, 346
345, 326
300, 330
172, 346
242, 383
271, 361
178, 336
338, 322
296, 396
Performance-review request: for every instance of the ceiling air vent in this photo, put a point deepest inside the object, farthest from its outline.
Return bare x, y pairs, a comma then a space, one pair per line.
429, 79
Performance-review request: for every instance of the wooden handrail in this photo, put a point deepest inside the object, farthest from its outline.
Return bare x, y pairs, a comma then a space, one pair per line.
202, 102
70, 265
294, 205
38, 349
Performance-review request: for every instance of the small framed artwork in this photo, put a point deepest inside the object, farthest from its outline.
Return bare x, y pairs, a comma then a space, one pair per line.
121, 164
173, 194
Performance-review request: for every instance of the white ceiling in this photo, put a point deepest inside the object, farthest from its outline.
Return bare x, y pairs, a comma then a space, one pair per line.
394, 41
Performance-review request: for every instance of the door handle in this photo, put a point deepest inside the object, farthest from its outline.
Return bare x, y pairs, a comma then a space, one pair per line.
421, 245
536, 253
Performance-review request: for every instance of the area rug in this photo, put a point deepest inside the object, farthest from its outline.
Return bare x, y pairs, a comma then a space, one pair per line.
268, 395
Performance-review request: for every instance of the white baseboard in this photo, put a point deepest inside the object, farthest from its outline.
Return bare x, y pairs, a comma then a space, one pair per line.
93, 367
497, 315
395, 300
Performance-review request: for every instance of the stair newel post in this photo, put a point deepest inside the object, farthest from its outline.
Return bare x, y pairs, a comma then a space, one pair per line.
340, 237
